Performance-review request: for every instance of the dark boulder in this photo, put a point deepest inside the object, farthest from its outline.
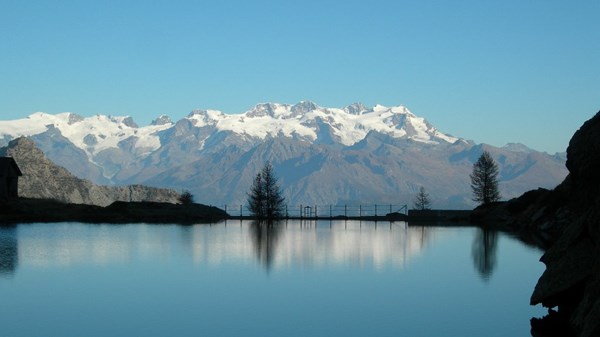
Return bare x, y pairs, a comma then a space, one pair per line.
571, 281
566, 222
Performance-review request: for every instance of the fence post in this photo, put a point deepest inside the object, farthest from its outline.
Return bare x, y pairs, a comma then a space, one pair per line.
360, 211
316, 214
241, 211
226, 209
346, 210
286, 211
330, 211
301, 211
375, 209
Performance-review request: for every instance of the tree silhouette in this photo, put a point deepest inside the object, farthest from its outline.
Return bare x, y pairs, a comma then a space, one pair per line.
422, 201
256, 197
186, 198
265, 199
484, 180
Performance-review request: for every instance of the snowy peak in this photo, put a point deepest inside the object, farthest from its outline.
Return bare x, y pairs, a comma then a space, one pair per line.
162, 120
274, 110
308, 121
202, 118
356, 109
128, 121
325, 155
304, 107
304, 121
91, 134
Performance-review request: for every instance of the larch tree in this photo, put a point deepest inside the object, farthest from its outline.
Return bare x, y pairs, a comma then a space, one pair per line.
422, 201
484, 180
256, 197
265, 199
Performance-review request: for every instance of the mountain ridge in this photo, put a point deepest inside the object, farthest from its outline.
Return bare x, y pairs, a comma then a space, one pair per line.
323, 155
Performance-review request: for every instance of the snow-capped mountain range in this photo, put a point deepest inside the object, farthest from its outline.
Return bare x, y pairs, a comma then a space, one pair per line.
304, 121
323, 155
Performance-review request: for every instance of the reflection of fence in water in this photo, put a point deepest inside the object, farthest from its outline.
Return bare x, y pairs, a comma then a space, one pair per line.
326, 211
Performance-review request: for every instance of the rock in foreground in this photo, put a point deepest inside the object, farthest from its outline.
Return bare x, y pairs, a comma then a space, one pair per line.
572, 277
567, 219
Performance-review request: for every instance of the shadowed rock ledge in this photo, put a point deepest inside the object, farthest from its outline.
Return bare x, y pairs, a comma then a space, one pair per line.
566, 221
25, 210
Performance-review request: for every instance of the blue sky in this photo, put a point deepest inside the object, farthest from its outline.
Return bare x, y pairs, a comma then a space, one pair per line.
492, 71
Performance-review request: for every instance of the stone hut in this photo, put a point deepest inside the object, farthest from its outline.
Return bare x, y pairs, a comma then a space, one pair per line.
9, 178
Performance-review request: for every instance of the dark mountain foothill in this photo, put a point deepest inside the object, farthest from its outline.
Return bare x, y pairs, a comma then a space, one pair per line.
50, 193
566, 221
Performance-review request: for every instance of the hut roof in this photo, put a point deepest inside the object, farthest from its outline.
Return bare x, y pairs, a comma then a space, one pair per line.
9, 168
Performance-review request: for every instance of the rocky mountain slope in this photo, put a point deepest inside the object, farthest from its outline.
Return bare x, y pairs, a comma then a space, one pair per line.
45, 180
322, 155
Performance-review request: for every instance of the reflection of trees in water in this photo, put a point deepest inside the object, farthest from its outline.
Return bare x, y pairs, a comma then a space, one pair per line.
264, 236
484, 252
186, 237
423, 234
9, 250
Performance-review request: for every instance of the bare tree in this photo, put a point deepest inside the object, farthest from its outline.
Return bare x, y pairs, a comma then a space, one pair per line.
265, 198
422, 201
484, 180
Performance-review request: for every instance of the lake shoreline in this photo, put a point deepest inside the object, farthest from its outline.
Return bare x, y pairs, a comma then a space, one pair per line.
26, 210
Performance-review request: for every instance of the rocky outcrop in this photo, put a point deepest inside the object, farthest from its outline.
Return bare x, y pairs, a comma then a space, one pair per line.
572, 277
566, 221
42, 179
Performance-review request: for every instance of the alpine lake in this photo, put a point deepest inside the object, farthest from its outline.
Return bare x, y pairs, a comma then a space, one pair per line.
240, 278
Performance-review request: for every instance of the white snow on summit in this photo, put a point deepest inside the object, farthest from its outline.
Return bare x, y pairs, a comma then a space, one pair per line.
305, 120
349, 125
92, 134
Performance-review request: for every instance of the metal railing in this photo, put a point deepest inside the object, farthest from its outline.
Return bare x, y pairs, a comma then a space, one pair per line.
325, 211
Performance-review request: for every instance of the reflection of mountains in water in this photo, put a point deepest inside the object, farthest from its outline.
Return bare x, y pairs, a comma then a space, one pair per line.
348, 243
308, 244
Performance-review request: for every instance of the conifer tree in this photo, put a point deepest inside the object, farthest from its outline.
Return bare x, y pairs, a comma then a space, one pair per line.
484, 180
422, 201
256, 197
265, 198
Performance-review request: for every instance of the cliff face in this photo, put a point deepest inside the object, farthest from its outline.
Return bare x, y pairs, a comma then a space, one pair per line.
572, 277
45, 180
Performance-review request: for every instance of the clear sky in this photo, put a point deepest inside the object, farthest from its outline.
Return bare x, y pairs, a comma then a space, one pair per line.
492, 71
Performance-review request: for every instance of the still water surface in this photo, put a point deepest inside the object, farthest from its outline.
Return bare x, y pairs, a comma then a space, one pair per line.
240, 279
